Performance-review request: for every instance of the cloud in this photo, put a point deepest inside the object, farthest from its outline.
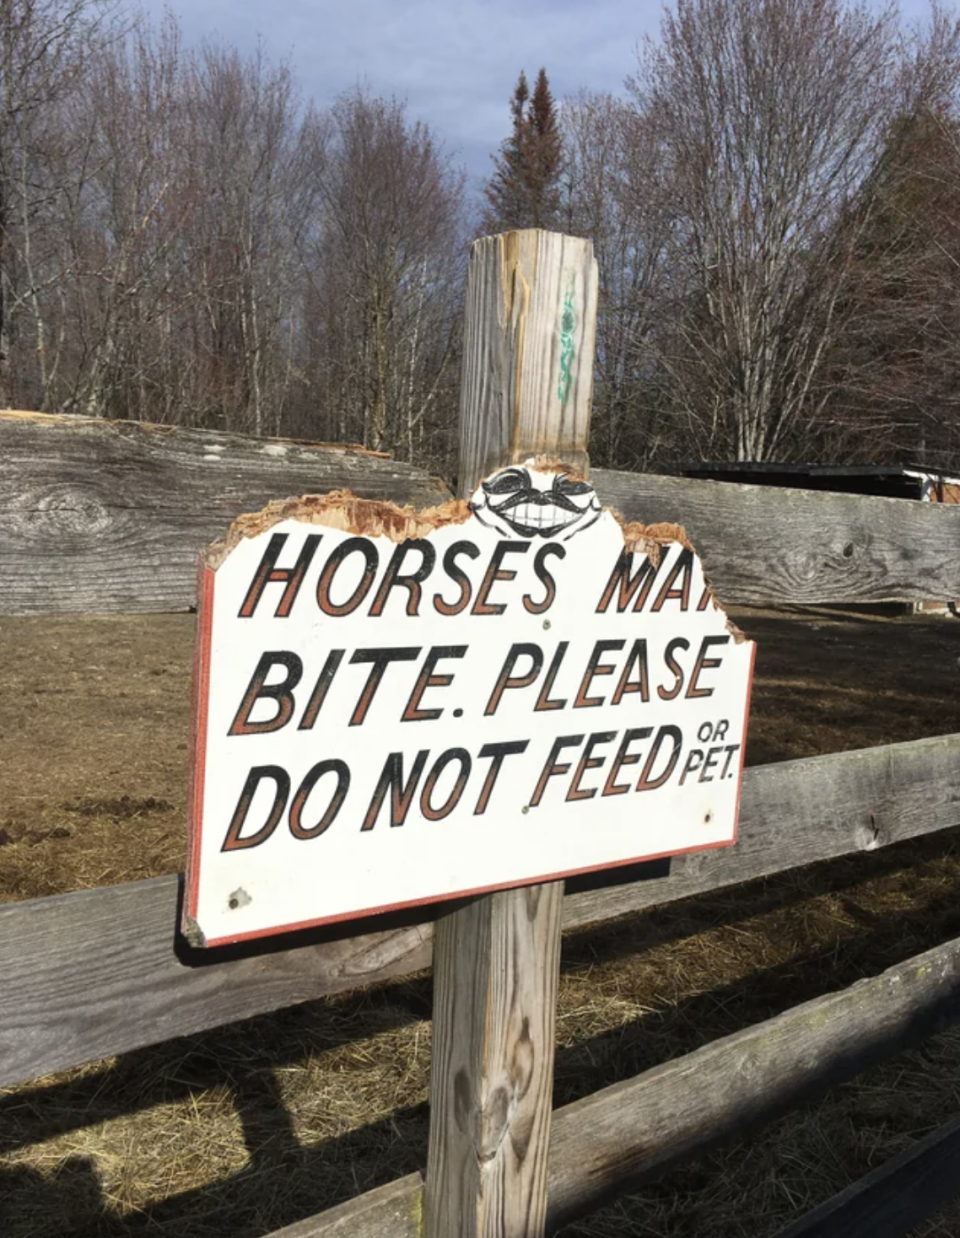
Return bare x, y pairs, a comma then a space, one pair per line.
456, 63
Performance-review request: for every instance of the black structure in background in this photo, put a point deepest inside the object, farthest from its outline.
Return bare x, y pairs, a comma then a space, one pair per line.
907, 481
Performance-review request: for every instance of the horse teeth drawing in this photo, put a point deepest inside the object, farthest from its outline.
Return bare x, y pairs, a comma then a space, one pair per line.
527, 503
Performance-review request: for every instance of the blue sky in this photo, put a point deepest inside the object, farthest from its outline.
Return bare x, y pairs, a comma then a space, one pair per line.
455, 61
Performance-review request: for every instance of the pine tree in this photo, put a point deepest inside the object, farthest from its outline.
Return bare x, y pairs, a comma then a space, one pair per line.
545, 156
524, 191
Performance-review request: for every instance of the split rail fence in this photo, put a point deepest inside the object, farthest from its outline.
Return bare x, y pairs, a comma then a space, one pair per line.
107, 518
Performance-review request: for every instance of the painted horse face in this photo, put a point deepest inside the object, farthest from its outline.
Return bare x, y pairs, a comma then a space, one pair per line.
521, 502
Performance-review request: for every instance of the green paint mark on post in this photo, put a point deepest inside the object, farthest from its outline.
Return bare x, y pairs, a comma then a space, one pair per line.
568, 324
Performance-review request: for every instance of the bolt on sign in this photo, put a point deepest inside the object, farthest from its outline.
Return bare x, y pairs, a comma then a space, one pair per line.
395, 707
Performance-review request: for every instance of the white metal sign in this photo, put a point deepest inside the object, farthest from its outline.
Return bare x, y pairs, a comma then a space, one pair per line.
523, 689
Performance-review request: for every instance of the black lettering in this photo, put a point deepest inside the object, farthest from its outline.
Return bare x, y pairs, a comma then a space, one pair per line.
493, 573
507, 680
589, 761
427, 679
268, 573
637, 657
713, 756
453, 799
648, 784
730, 749
594, 667
498, 753
704, 663
380, 659
544, 702
458, 576
393, 578
366, 548
641, 583
549, 584
233, 841
320, 689
690, 766
258, 689
667, 694
683, 564
625, 757
401, 793
552, 767
332, 766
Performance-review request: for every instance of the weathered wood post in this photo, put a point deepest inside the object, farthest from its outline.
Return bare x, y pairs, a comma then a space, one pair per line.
527, 387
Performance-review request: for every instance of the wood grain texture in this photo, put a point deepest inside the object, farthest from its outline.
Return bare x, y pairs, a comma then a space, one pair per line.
767, 546
496, 965
527, 379
391, 1211
87, 975
108, 517
798, 812
893, 1198
635, 1131
528, 349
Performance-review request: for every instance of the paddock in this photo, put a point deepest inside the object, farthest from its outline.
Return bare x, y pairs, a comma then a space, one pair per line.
106, 519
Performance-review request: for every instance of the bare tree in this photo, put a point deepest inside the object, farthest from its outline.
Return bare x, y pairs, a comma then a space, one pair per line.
259, 200
895, 372
191, 245
387, 279
615, 193
184, 235
43, 49
126, 230
768, 117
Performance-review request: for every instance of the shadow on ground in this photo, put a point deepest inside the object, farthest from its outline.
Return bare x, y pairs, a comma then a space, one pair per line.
285, 1177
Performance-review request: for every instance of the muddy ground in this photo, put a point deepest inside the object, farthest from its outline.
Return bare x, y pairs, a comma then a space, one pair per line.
247, 1128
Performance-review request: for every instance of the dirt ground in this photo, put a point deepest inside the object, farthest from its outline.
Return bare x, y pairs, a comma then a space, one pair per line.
95, 722
247, 1128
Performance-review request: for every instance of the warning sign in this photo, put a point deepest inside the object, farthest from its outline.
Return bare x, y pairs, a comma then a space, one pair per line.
395, 707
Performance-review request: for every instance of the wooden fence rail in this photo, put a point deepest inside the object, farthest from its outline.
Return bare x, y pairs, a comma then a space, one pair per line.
107, 518
764, 546
635, 1131
894, 1198
100, 972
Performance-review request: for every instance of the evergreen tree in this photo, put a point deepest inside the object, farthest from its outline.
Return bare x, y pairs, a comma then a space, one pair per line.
524, 191
895, 371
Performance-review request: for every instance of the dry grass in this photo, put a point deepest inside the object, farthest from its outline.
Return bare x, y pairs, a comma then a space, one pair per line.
250, 1127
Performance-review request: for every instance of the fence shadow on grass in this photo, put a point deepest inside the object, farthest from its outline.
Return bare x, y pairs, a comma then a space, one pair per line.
285, 1179
38, 1204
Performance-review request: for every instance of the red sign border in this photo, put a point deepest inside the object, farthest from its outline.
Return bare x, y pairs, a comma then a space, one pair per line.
200, 709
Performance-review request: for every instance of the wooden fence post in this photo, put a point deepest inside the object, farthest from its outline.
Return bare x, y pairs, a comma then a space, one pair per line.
527, 386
